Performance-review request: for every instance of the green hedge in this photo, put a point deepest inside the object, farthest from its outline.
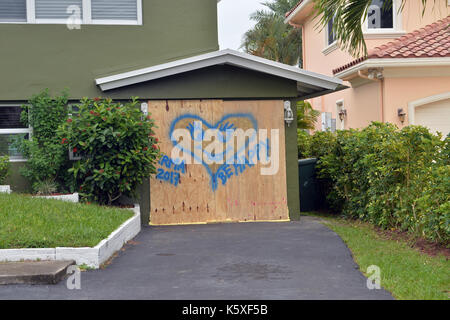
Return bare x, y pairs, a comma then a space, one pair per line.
397, 179
4, 168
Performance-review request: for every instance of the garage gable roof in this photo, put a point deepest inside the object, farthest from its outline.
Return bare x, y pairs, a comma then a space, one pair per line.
309, 84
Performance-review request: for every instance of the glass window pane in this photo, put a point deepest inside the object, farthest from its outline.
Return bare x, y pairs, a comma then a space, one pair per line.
10, 118
381, 15
57, 9
13, 11
9, 142
331, 37
114, 10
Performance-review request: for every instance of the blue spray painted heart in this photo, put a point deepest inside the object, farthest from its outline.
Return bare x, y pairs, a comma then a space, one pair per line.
228, 122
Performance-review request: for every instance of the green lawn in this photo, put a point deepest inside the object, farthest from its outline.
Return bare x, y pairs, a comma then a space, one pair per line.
405, 272
26, 222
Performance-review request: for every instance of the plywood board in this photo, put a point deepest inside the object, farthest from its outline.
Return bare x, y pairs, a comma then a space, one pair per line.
206, 193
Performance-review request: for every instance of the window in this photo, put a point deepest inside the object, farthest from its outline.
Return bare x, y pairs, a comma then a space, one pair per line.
12, 130
331, 38
127, 12
383, 20
13, 10
114, 10
55, 10
380, 15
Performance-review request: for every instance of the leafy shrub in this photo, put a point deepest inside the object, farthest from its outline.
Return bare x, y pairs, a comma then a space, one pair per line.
117, 148
4, 168
431, 212
46, 187
317, 145
322, 143
304, 144
389, 177
48, 160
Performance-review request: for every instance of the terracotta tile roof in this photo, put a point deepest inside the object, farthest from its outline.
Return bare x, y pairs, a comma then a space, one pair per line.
348, 65
293, 9
431, 41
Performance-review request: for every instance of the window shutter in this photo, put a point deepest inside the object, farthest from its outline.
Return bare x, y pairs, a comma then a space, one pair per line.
55, 9
13, 10
114, 10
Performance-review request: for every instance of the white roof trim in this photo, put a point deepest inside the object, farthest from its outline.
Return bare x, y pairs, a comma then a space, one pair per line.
297, 10
394, 63
229, 57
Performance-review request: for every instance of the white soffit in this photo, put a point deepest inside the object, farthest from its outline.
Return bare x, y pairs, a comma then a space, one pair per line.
224, 57
299, 8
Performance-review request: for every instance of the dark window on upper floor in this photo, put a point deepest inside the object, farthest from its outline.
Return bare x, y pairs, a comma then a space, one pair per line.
127, 12
13, 10
381, 15
331, 37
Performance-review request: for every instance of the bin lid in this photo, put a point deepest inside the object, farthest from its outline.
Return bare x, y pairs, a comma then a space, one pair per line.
307, 161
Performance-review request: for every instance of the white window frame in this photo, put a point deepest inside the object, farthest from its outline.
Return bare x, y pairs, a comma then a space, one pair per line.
327, 34
28, 131
329, 47
86, 20
397, 29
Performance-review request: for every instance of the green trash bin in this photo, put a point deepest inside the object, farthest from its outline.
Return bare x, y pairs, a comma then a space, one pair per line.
311, 198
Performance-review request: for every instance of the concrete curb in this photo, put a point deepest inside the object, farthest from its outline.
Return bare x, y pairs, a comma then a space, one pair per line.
91, 257
74, 197
5, 189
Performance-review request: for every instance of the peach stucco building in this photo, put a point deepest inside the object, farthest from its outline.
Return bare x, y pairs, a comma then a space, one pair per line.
405, 79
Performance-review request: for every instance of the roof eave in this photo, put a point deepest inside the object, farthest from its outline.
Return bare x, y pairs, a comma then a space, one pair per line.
393, 63
304, 79
322, 93
297, 10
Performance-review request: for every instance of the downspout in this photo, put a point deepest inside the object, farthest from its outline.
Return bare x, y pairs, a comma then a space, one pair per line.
381, 81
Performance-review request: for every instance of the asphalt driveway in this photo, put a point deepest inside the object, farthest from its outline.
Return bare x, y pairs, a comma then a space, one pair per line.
297, 260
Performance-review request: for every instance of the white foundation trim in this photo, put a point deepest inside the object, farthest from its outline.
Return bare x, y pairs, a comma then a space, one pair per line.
91, 257
75, 197
5, 189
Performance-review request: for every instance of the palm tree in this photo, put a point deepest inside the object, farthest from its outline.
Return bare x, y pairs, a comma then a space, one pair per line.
271, 38
347, 26
306, 116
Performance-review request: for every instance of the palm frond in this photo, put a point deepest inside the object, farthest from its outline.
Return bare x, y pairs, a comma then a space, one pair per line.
348, 16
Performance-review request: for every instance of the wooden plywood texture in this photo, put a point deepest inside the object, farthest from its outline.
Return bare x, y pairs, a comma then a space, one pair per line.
207, 193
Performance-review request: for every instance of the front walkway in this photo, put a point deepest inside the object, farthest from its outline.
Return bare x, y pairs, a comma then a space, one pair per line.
297, 260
